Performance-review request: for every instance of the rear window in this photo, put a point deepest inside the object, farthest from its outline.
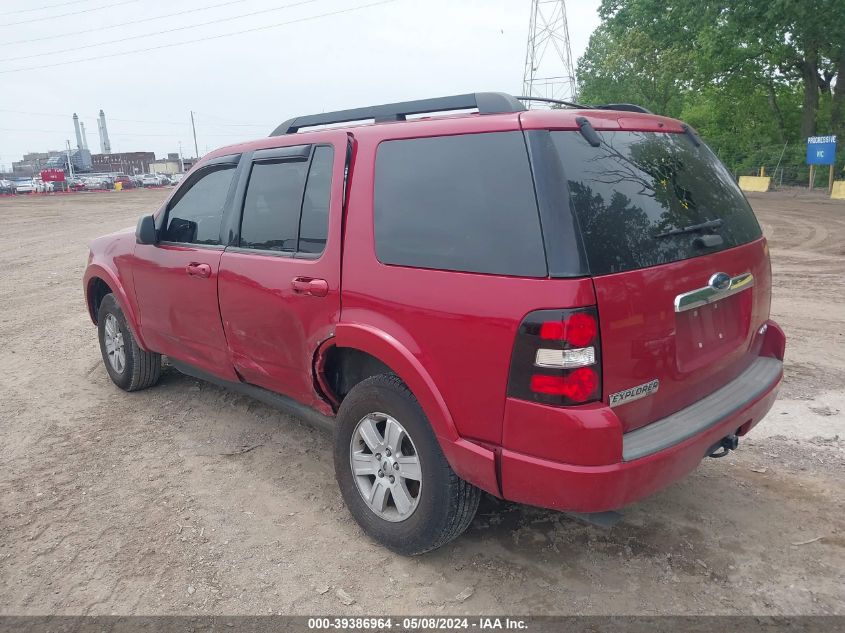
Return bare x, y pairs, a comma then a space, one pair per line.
463, 203
636, 187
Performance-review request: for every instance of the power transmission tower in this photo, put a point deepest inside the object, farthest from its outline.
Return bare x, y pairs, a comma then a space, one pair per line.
549, 71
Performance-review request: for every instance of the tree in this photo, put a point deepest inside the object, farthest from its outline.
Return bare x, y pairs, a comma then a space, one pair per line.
627, 65
800, 41
696, 56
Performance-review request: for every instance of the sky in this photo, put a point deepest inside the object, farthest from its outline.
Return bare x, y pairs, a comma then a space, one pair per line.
148, 71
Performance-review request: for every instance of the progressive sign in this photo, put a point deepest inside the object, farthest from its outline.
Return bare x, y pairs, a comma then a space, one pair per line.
821, 150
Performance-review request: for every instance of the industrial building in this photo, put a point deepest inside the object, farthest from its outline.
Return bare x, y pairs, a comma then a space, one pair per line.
123, 162
83, 161
79, 158
173, 164
32, 163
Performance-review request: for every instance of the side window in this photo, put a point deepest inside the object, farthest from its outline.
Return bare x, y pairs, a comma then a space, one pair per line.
195, 217
287, 204
463, 203
314, 225
272, 205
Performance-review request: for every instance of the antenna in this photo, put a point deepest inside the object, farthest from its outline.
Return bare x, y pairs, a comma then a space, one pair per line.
549, 71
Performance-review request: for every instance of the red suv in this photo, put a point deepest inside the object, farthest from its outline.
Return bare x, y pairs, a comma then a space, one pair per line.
567, 308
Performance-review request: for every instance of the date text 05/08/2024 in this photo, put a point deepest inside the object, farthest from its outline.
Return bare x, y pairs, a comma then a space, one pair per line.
418, 623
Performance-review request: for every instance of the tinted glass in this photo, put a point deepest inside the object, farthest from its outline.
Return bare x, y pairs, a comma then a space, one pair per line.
273, 202
638, 186
461, 203
314, 225
195, 217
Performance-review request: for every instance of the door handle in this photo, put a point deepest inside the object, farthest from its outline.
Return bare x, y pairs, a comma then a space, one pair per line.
309, 286
198, 270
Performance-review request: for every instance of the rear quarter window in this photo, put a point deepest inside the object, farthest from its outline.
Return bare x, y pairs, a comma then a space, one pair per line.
636, 187
462, 203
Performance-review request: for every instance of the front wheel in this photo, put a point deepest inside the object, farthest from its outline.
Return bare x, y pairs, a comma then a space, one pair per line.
129, 367
392, 473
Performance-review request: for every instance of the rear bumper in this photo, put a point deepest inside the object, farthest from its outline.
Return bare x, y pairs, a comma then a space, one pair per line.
652, 458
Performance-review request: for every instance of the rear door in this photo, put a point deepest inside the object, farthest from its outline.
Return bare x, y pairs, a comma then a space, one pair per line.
663, 224
176, 278
280, 277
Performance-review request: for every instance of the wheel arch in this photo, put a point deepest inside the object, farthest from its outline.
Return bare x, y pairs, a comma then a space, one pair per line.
98, 279
471, 461
96, 289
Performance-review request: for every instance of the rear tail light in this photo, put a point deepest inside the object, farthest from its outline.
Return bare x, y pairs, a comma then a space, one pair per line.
557, 357
578, 329
566, 358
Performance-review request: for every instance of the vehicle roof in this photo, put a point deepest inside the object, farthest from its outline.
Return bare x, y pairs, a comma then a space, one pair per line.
468, 123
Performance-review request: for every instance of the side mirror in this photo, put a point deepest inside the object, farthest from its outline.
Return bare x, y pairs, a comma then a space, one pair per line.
145, 232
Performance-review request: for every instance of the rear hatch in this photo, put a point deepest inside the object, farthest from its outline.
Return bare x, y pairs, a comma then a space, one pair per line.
680, 269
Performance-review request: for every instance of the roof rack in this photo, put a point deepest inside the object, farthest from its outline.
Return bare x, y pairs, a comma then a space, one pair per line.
485, 102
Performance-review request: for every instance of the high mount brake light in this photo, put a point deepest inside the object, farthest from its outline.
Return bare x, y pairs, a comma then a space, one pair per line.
557, 357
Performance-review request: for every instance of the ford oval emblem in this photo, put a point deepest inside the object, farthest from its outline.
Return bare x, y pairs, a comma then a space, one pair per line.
720, 281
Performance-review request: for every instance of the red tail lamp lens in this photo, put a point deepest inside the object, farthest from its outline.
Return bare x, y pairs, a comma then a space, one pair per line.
581, 328
579, 385
578, 330
552, 331
557, 357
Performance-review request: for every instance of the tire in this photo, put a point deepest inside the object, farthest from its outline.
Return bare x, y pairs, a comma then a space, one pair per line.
138, 369
443, 504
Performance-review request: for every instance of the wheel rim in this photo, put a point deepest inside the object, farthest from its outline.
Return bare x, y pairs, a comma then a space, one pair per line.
386, 467
113, 339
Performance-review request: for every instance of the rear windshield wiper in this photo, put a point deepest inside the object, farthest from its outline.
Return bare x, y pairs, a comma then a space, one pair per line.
588, 131
693, 228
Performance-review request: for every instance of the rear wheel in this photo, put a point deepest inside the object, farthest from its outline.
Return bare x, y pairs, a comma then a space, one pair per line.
129, 367
391, 471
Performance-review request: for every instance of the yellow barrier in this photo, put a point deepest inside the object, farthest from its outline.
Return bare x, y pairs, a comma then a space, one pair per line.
755, 183
838, 191
118, 186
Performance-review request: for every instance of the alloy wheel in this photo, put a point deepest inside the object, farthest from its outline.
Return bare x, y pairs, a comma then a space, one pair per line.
113, 339
386, 467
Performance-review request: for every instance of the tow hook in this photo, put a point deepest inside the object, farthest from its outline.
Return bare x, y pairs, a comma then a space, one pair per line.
724, 446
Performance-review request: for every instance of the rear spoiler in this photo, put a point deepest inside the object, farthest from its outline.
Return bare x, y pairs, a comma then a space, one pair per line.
622, 107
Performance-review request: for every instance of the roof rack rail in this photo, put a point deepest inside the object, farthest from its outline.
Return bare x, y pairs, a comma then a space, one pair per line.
485, 102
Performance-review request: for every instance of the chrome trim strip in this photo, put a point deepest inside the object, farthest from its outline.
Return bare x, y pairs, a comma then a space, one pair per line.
708, 294
260, 251
207, 247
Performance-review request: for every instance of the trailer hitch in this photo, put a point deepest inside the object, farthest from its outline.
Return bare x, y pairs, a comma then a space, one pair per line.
723, 446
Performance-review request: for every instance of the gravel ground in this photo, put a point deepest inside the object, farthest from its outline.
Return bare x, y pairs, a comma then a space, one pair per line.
187, 498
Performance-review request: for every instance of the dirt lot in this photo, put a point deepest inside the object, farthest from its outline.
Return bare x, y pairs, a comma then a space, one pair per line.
190, 499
